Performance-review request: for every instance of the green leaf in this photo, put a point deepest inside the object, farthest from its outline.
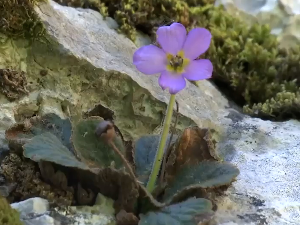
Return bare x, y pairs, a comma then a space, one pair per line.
21, 133
207, 174
144, 154
91, 148
190, 212
61, 128
47, 147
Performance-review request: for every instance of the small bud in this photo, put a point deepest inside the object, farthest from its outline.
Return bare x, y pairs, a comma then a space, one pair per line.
105, 130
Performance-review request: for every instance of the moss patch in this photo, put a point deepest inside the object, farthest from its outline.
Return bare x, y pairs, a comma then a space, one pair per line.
8, 215
19, 20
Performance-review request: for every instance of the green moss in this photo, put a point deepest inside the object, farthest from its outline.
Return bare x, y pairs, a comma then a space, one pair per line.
248, 62
19, 19
284, 105
8, 215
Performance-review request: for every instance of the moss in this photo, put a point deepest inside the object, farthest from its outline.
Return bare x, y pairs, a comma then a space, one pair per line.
19, 20
284, 105
248, 62
8, 215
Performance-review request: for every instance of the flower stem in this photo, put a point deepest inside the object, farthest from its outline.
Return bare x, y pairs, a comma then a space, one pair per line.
161, 146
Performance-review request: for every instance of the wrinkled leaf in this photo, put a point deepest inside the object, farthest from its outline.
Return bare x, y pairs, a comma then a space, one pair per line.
145, 150
21, 133
61, 128
47, 147
92, 149
207, 174
193, 211
193, 146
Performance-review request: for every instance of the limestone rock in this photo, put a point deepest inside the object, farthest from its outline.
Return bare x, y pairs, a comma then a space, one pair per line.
36, 211
31, 207
44, 219
266, 191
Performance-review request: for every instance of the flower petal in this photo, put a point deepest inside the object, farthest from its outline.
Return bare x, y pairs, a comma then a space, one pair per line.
171, 38
196, 43
150, 59
199, 70
175, 82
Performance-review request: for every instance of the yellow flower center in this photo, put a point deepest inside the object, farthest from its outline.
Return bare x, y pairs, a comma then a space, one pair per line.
177, 63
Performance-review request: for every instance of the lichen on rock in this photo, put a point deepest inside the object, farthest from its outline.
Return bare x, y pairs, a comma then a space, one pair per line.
13, 83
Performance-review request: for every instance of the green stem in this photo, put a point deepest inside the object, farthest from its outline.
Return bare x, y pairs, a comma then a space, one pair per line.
161, 146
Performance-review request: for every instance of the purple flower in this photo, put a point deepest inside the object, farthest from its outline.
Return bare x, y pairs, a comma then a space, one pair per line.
176, 60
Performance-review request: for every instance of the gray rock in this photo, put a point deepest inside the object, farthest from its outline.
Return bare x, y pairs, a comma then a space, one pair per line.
89, 63
292, 7
44, 219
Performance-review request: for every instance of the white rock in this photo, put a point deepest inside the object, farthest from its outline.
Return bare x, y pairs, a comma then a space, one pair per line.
291, 6
267, 189
42, 220
32, 206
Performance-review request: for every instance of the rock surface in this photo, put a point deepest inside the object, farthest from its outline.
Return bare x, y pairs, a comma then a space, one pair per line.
267, 189
281, 15
36, 211
83, 62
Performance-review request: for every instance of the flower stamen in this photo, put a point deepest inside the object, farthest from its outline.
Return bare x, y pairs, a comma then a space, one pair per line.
177, 63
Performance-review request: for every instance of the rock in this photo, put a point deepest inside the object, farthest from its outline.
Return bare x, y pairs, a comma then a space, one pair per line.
6, 189
102, 213
36, 211
31, 207
88, 63
44, 219
280, 15
267, 189
290, 36
292, 7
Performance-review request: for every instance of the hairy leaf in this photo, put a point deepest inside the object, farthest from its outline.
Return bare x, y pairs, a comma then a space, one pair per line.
147, 202
144, 154
193, 146
47, 147
190, 212
207, 174
92, 149
21, 133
